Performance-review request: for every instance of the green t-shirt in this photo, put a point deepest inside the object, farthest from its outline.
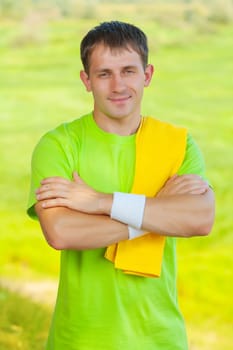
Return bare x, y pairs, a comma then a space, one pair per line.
99, 307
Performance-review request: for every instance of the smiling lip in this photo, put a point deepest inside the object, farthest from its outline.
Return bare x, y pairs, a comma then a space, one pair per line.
120, 99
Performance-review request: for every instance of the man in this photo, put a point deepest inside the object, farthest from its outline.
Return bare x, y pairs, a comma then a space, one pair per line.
84, 172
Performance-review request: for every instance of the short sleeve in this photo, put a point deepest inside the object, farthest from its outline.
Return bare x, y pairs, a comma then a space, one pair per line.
49, 158
193, 162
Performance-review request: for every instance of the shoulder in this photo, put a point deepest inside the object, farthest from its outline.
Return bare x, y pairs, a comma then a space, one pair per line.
163, 127
63, 135
166, 134
194, 161
193, 151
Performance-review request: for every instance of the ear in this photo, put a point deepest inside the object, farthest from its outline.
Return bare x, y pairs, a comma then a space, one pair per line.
148, 74
85, 79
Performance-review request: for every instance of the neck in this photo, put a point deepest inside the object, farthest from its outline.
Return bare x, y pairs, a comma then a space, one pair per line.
123, 127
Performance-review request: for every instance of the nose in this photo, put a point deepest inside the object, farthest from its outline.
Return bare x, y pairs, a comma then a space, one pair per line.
117, 83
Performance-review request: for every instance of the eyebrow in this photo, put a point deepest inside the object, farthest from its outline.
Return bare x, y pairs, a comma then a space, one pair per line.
107, 70
101, 70
130, 67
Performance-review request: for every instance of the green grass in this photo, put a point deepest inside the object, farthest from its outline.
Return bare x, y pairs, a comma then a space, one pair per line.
192, 86
23, 324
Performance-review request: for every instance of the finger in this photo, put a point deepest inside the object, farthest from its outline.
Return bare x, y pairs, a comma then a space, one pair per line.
43, 188
54, 179
189, 177
77, 178
55, 202
54, 186
185, 183
51, 194
190, 180
195, 185
178, 179
191, 188
172, 178
199, 191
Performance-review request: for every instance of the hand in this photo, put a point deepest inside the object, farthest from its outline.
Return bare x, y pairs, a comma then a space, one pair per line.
76, 195
183, 184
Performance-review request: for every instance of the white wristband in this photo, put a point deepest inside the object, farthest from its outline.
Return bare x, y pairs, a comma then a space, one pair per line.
134, 233
128, 208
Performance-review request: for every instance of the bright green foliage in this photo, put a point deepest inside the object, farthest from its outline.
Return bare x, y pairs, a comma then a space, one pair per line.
23, 324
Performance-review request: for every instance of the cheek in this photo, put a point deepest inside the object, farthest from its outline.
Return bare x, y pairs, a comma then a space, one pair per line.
137, 84
99, 90
99, 96
139, 88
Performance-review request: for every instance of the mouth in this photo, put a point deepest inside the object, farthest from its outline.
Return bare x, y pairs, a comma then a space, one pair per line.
119, 99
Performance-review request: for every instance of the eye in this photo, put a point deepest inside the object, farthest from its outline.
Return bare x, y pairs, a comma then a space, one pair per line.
103, 74
129, 71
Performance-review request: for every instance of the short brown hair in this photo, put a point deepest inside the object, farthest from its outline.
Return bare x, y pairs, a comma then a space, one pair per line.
115, 35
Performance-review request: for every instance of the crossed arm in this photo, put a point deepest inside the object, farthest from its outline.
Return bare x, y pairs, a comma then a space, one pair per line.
75, 216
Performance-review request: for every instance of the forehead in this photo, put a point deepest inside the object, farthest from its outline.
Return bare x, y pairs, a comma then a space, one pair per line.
106, 57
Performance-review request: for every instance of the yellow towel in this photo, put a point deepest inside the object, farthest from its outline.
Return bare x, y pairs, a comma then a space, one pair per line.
160, 150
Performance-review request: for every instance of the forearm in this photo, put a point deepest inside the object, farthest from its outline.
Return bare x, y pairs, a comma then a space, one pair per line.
64, 228
180, 215
74, 216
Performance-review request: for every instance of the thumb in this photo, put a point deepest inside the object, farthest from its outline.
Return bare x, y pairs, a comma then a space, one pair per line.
175, 176
76, 177
172, 178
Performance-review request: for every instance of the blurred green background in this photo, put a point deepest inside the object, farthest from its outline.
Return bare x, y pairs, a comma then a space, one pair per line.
191, 46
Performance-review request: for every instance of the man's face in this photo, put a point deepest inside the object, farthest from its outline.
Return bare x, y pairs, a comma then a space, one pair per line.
116, 79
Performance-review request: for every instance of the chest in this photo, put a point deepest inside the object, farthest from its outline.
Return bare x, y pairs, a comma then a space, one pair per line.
106, 165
